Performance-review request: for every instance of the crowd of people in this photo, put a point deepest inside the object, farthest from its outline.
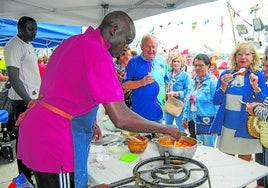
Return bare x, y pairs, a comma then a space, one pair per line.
133, 89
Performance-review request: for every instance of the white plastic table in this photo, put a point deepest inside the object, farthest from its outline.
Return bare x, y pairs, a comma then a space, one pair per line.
224, 170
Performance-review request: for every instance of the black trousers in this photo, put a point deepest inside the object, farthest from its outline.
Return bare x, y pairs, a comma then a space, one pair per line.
191, 127
52, 180
19, 106
259, 158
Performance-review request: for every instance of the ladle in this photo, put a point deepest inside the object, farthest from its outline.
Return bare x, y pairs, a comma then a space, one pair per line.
174, 144
239, 71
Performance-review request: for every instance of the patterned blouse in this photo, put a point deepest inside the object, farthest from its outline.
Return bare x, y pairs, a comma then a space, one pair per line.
261, 111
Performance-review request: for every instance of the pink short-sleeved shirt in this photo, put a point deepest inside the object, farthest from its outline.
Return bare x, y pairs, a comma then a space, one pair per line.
80, 74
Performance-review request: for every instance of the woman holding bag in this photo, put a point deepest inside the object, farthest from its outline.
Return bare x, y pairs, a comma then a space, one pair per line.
261, 111
178, 85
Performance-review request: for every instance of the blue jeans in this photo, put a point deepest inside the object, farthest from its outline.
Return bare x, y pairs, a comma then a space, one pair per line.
207, 139
169, 119
82, 130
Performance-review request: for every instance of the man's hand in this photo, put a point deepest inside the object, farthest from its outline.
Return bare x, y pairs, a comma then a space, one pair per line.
97, 133
174, 133
172, 94
148, 79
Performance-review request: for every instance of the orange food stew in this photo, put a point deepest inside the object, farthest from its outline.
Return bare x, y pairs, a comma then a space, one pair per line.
179, 144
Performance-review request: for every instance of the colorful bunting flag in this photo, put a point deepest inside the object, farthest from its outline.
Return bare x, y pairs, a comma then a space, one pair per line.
185, 52
180, 23
221, 24
174, 48
194, 24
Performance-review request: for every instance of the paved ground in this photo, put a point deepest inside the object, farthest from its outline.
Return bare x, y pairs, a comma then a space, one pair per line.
7, 172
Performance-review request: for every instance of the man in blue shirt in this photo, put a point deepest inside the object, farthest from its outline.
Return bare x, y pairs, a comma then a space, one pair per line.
146, 75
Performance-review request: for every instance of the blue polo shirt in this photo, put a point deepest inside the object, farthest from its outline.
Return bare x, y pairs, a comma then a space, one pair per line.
148, 100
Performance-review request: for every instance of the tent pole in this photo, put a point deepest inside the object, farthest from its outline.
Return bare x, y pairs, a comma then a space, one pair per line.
105, 8
231, 19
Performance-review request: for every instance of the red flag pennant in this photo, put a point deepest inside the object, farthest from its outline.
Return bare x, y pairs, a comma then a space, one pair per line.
174, 48
185, 51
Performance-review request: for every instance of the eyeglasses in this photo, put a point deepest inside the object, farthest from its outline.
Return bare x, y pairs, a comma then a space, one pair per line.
199, 66
247, 54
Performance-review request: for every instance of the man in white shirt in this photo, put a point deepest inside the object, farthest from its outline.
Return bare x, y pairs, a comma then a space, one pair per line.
21, 62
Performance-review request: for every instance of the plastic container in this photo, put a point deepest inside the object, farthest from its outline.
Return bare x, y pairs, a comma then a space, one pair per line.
136, 146
20, 182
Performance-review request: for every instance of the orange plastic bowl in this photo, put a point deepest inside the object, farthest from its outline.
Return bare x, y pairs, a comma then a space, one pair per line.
137, 147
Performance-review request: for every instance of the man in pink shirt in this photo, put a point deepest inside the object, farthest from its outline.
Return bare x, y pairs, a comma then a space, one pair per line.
80, 75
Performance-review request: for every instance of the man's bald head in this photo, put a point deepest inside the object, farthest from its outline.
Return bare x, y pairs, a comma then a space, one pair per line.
118, 28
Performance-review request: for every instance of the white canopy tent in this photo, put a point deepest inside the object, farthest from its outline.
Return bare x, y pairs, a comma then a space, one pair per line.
88, 12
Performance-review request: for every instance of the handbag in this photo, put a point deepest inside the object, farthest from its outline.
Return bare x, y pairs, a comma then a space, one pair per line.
264, 133
173, 106
253, 126
258, 129
203, 124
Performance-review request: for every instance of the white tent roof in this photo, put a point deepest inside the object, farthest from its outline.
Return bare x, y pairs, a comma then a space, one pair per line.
88, 12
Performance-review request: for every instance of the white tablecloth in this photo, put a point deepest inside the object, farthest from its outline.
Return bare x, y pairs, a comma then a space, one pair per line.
224, 170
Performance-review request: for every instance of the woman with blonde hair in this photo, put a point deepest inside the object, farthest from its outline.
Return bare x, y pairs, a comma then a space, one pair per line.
177, 87
233, 87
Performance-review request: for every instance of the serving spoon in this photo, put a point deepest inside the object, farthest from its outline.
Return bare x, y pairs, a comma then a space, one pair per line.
133, 138
174, 144
239, 71
242, 102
